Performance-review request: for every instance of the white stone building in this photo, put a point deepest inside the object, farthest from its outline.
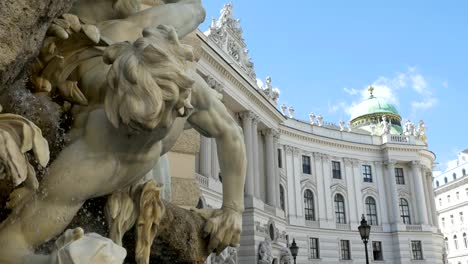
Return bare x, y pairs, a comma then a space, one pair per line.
312, 181
451, 197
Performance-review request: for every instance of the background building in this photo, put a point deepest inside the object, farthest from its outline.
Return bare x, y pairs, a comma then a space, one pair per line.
313, 180
451, 197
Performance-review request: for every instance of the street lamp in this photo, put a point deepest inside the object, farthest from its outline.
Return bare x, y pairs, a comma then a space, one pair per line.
294, 249
364, 231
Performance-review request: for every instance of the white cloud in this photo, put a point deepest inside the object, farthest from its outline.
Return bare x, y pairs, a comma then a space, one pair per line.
419, 84
424, 104
351, 91
388, 89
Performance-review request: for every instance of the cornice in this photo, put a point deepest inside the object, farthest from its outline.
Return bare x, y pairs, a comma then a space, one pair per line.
247, 88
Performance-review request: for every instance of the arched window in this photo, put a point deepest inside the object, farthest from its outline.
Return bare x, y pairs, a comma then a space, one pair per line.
404, 211
309, 205
455, 241
340, 209
437, 183
454, 176
282, 204
445, 180
371, 208
465, 240
446, 244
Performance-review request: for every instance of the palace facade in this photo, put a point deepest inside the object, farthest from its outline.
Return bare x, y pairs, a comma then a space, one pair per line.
312, 181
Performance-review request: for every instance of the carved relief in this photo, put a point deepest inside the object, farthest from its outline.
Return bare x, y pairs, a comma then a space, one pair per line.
226, 33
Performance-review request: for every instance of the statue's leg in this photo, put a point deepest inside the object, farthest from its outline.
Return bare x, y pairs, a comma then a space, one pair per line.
39, 221
73, 178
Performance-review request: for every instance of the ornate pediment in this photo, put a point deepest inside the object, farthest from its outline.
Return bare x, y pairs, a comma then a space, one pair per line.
226, 33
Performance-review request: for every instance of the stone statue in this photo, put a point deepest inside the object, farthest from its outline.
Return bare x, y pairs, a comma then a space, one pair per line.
285, 256
264, 253
228, 256
342, 127
408, 128
349, 126
312, 118
422, 131
320, 120
291, 111
386, 125
283, 109
137, 91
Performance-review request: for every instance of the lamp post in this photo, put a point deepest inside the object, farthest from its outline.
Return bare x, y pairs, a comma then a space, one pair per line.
294, 249
364, 231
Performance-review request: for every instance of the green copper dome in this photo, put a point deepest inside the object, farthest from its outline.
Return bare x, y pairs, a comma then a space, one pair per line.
371, 106
369, 113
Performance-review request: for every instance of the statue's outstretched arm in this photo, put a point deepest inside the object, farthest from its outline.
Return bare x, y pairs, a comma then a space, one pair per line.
183, 15
212, 119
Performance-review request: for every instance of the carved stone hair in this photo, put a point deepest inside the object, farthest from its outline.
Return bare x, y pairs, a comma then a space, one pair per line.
147, 79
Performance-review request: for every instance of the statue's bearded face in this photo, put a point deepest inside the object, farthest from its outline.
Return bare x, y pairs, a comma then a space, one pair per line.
148, 86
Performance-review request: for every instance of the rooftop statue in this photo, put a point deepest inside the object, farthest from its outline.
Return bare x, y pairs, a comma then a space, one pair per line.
130, 86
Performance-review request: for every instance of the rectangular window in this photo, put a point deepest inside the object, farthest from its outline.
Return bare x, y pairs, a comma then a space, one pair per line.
345, 251
336, 169
416, 247
314, 248
367, 173
306, 164
377, 250
280, 159
461, 217
400, 178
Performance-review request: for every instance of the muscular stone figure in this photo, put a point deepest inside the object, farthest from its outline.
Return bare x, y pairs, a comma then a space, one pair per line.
141, 94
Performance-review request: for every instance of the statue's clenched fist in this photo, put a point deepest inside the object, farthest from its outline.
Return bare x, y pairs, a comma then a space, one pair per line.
223, 227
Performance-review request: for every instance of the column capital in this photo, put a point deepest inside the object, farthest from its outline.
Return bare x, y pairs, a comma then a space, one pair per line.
326, 157
255, 119
355, 162
246, 115
417, 164
378, 163
289, 149
348, 161
390, 162
317, 155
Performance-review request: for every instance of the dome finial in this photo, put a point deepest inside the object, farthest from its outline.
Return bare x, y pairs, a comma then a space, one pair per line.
371, 91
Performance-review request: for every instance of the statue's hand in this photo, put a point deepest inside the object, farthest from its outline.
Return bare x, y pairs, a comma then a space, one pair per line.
223, 227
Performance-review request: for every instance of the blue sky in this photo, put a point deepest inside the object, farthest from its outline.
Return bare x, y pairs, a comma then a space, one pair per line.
323, 54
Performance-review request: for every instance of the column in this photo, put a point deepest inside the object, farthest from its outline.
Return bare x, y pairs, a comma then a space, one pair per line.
379, 178
426, 196
419, 188
256, 166
353, 217
214, 160
276, 168
270, 169
289, 166
392, 189
297, 186
435, 220
357, 187
322, 210
247, 128
205, 156
326, 172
